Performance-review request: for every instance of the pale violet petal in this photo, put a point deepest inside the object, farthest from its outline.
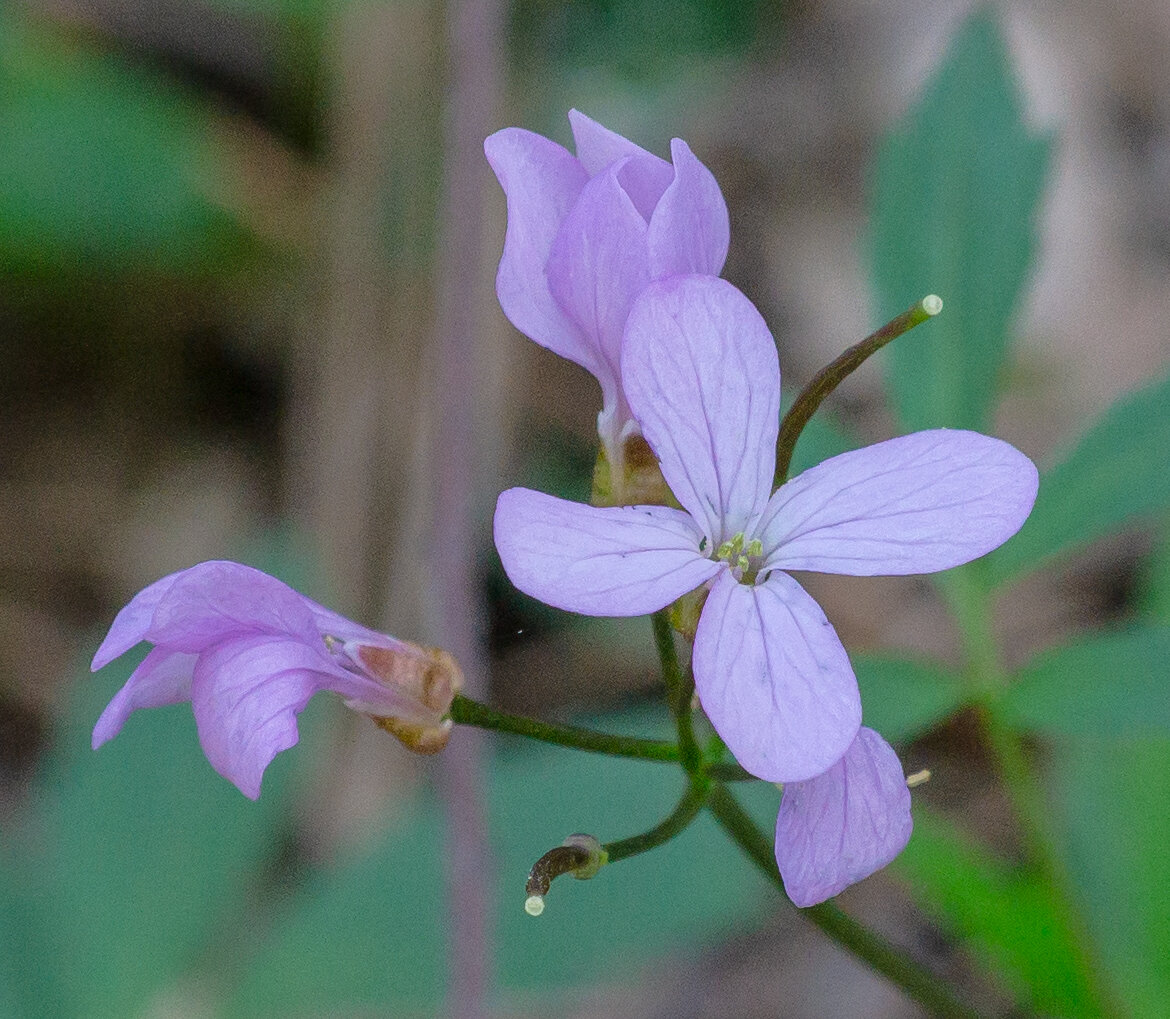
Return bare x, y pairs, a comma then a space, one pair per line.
247, 692
689, 230
614, 561
843, 825
215, 600
701, 375
541, 180
645, 177
774, 679
162, 677
132, 622
596, 267
916, 504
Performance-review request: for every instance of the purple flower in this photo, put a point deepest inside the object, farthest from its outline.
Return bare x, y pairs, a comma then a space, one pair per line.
587, 233
248, 652
844, 824
700, 372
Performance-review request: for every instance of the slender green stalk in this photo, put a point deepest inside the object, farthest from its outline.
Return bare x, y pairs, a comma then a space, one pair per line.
465, 711
679, 691
918, 983
831, 376
970, 603
687, 810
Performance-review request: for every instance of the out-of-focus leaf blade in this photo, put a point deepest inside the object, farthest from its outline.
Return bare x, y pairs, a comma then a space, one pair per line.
144, 855
820, 439
368, 934
1006, 919
1113, 796
1115, 685
1118, 471
902, 699
954, 195
103, 165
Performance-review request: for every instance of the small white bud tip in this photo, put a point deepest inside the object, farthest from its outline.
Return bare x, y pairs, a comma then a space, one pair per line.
932, 304
918, 778
534, 905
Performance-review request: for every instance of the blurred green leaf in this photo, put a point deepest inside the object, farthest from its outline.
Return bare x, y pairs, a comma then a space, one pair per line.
1153, 582
1118, 470
1113, 796
102, 163
1007, 919
902, 699
1112, 685
821, 438
368, 934
137, 860
954, 196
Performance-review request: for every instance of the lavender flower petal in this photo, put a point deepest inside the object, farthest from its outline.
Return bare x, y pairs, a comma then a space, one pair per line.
542, 181
701, 375
646, 176
689, 230
623, 561
598, 263
162, 677
246, 694
914, 504
131, 623
845, 824
774, 679
249, 652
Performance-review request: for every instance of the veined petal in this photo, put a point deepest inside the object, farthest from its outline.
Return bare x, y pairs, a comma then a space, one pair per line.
131, 623
596, 267
614, 561
541, 180
214, 600
915, 504
646, 176
774, 679
246, 694
689, 230
843, 825
701, 375
162, 677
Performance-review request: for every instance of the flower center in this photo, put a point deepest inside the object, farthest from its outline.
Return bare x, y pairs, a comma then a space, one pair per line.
744, 557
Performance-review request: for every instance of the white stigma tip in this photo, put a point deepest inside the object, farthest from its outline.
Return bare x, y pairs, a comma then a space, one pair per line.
918, 778
534, 905
932, 304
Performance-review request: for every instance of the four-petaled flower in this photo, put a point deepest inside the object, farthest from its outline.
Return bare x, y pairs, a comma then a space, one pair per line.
700, 371
587, 233
248, 652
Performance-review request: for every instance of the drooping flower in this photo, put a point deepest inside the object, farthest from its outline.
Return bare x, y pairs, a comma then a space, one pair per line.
248, 652
700, 371
586, 233
844, 824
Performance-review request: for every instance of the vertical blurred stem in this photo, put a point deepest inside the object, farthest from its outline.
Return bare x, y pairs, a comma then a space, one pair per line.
473, 32
971, 604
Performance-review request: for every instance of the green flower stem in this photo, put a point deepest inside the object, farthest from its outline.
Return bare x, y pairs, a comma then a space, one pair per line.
465, 711
831, 376
902, 971
687, 810
970, 602
679, 691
